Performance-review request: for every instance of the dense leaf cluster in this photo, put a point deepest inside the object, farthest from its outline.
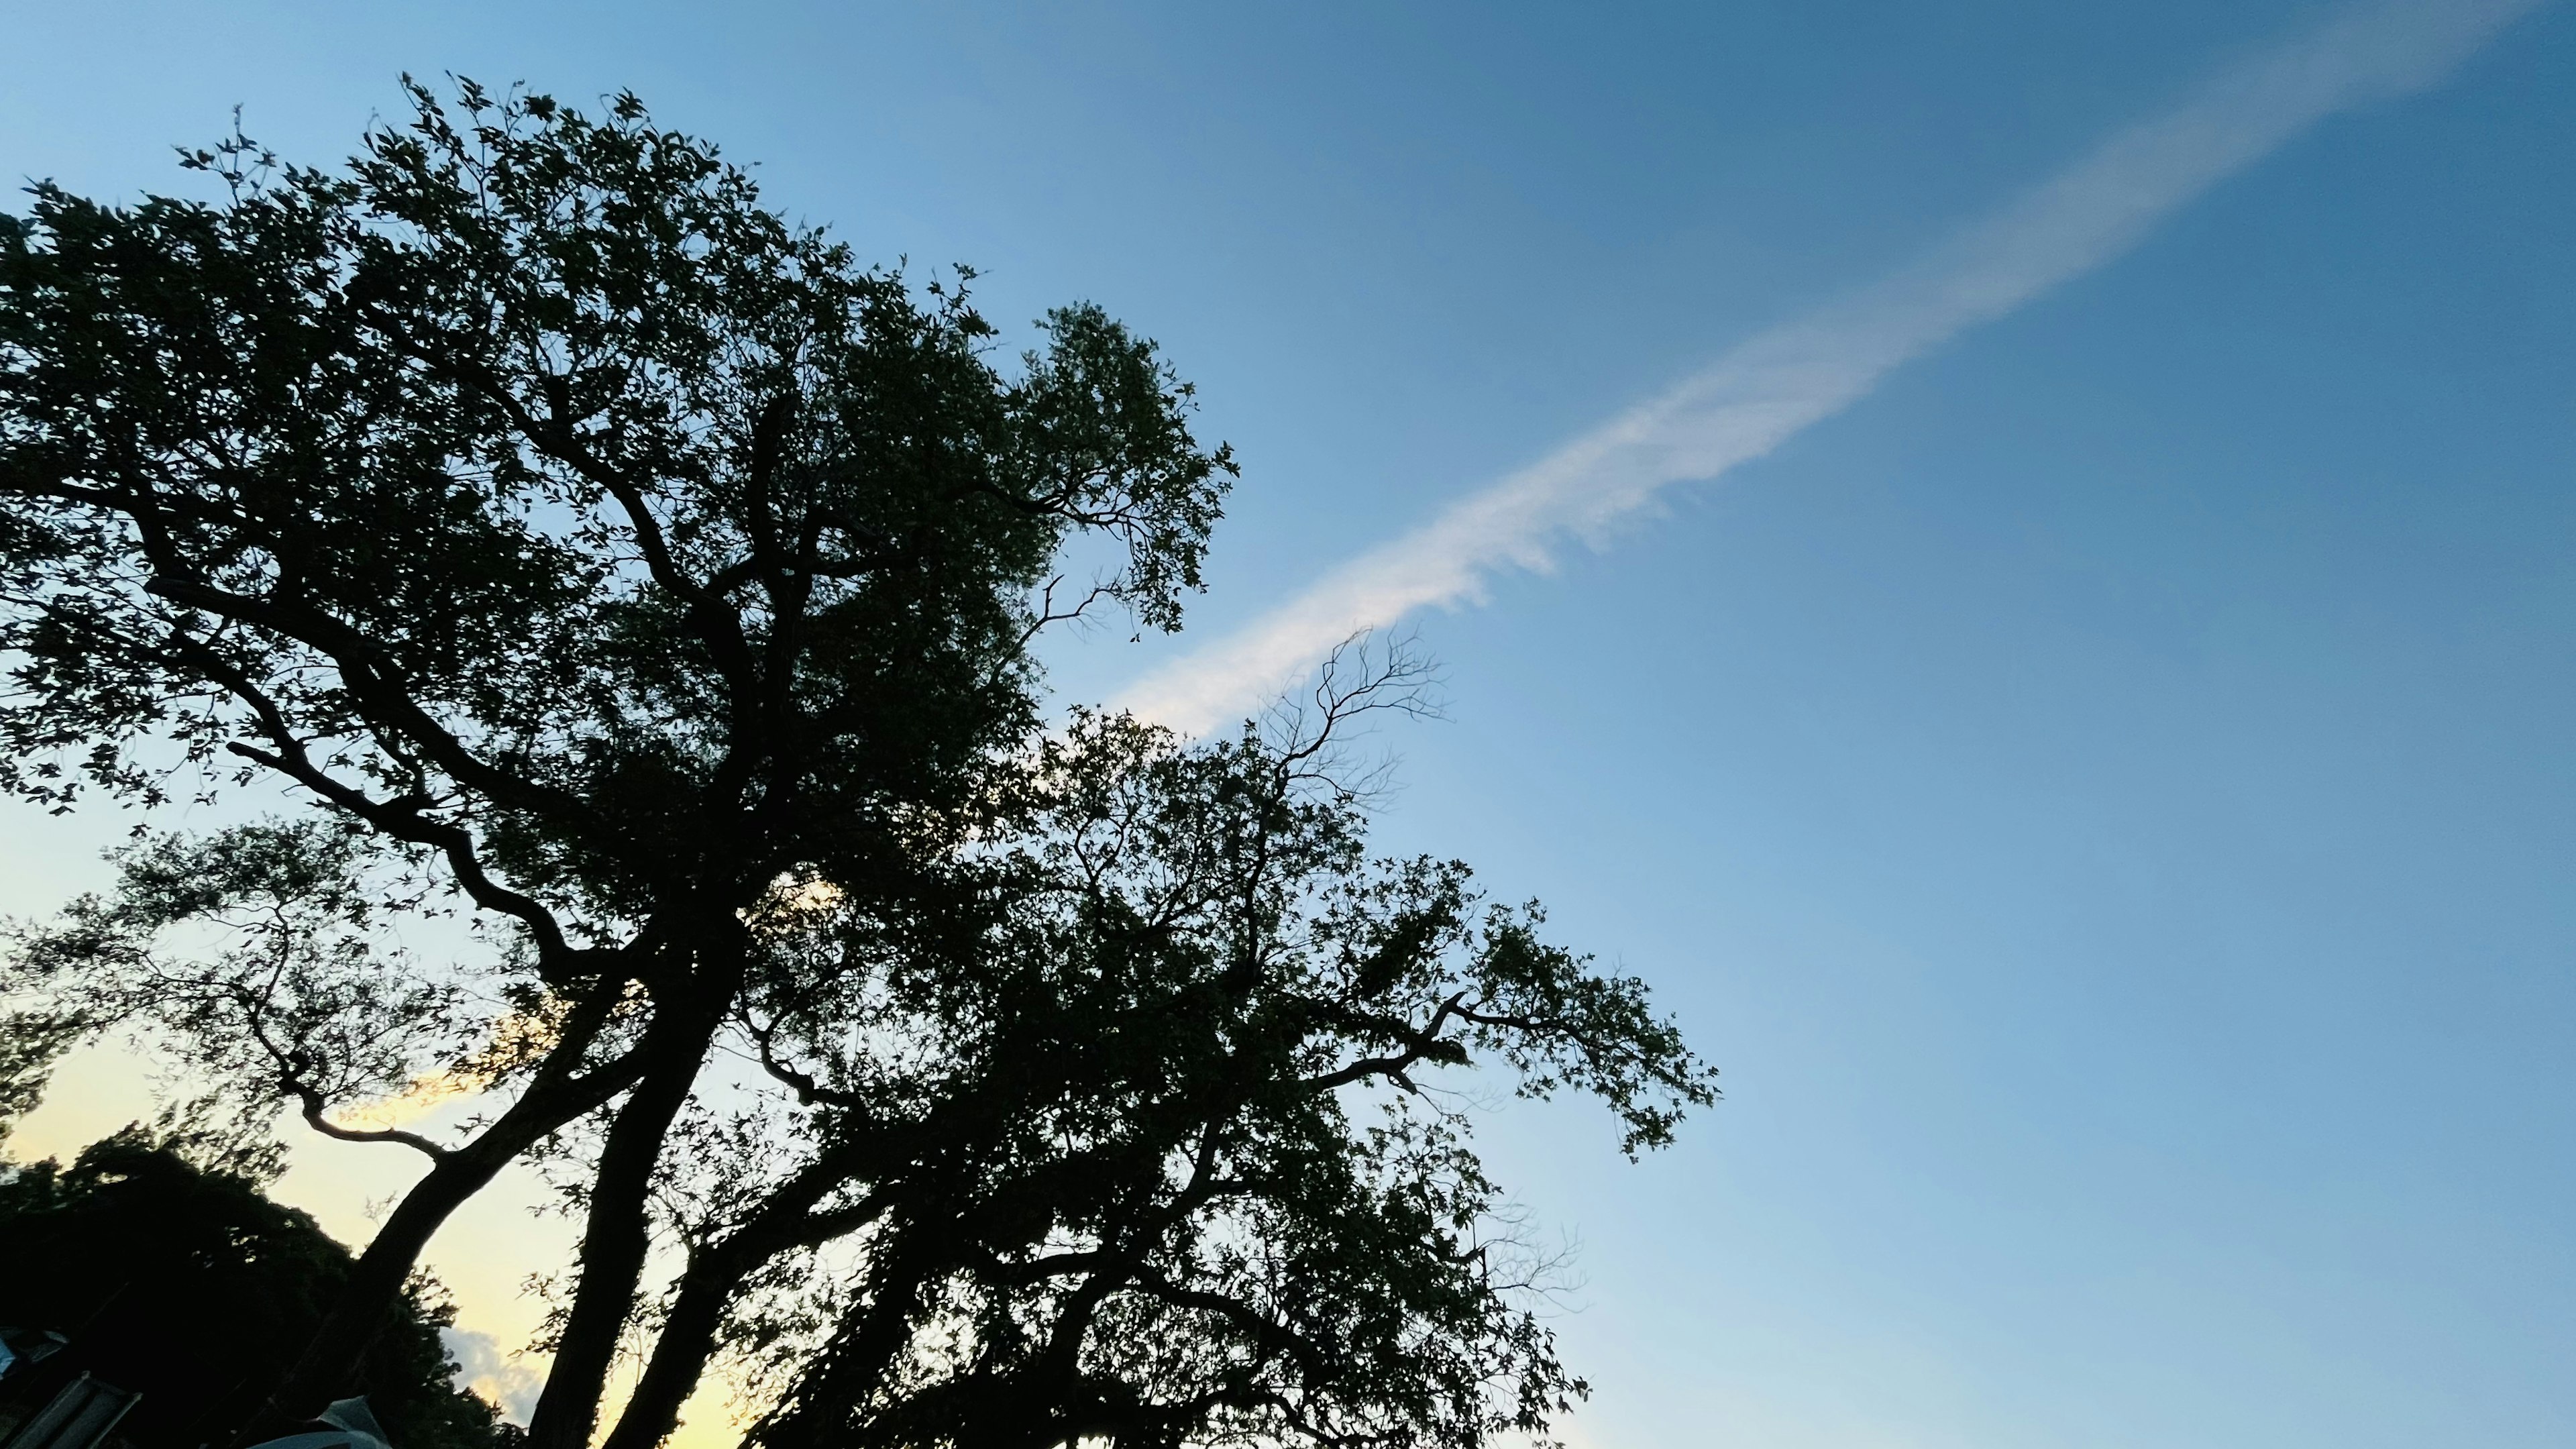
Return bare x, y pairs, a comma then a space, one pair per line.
187, 1285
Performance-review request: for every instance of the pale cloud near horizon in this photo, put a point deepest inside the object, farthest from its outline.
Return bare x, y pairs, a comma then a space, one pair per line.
1775, 385
504, 1379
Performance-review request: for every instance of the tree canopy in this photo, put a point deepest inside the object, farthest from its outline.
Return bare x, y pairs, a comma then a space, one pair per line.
634, 575
186, 1284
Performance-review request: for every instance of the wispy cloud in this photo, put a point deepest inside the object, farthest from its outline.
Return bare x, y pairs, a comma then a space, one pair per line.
1776, 384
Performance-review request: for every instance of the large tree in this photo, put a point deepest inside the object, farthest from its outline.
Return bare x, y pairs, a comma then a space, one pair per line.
608, 560
568, 525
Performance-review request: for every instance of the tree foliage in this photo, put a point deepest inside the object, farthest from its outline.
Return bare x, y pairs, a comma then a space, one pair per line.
1184, 1157
637, 578
186, 1284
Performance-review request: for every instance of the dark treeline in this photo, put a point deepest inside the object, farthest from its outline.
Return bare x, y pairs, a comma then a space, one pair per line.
187, 1285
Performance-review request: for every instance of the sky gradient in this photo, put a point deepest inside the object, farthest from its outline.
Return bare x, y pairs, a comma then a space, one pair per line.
2101, 791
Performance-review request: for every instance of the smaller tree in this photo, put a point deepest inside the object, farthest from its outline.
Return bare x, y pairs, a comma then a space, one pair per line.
187, 1284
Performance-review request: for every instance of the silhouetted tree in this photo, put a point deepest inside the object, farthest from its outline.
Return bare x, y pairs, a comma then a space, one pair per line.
189, 1285
613, 562
586, 540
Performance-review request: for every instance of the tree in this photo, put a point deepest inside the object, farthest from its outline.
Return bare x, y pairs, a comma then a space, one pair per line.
599, 550
583, 539
188, 1285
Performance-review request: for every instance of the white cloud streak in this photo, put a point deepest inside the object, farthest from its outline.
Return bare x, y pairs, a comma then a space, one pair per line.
1785, 380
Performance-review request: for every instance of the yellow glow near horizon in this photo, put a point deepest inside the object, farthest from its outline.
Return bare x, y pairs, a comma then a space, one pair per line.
485, 1255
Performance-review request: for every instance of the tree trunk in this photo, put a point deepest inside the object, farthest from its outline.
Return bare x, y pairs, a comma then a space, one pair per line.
617, 1233
330, 1360
854, 1364
679, 1354
328, 1363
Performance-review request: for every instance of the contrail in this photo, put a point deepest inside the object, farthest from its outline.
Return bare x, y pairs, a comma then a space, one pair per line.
1771, 387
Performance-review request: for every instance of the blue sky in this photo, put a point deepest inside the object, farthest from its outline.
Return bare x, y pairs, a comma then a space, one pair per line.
2104, 796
